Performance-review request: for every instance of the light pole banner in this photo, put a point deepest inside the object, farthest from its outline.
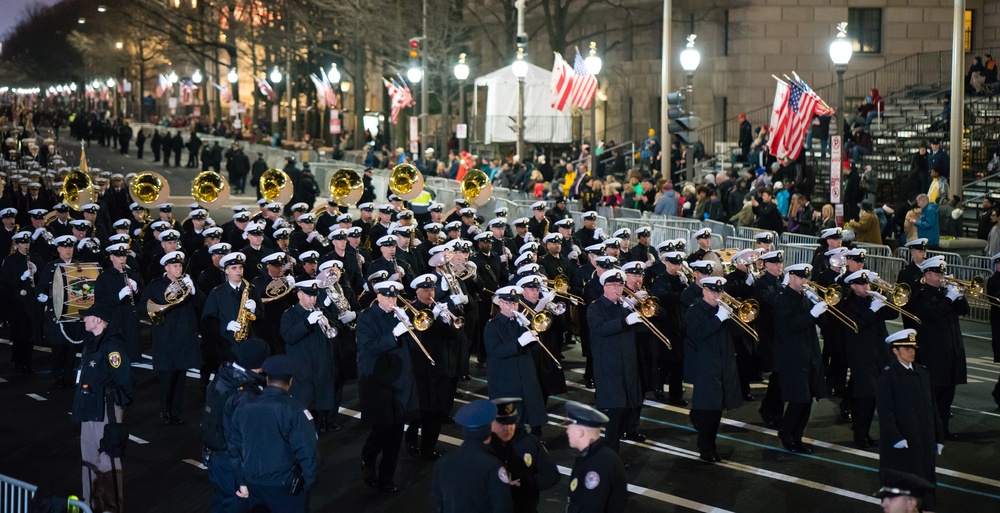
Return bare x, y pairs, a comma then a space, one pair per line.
414, 128
461, 131
835, 170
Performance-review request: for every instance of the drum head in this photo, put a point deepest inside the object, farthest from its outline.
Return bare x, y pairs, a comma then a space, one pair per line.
73, 290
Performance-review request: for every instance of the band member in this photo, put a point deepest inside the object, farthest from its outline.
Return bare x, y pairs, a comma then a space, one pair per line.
640, 251
174, 330
327, 219
404, 252
765, 241
523, 455
489, 267
624, 235
939, 303
254, 251
903, 492
340, 250
194, 237
276, 293
550, 375
225, 307
42, 240
703, 238
385, 384
88, 249
8, 228
711, 365
169, 242
453, 231
432, 234
538, 225
201, 259
60, 335
362, 253
520, 234
235, 229
834, 354
597, 483
306, 237
910, 428
309, 337
668, 288
765, 289
613, 248
381, 228
797, 356
451, 291
700, 269
830, 238
310, 266
866, 353
165, 212
553, 263
910, 274
571, 248
589, 234
17, 279
501, 232
60, 224
616, 372
119, 288
366, 211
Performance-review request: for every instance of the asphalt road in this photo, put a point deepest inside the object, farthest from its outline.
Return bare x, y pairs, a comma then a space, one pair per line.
40, 444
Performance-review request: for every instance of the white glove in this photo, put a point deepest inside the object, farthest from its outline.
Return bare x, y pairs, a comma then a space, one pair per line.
641, 294
901, 445
526, 338
784, 281
528, 237
38, 233
630, 301
722, 314
599, 234
312, 236
439, 309
573, 255
544, 301
876, 305
124, 292
233, 326
290, 280
633, 318
82, 243
878, 296
503, 257
250, 305
953, 293
26, 275
347, 317
394, 276
812, 296
314, 316
136, 232
522, 320
135, 286
188, 282
399, 329
459, 299
42, 298
749, 280
940, 447
818, 309
400, 313
683, 277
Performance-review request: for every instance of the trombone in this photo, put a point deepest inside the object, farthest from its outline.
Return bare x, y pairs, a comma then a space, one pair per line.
647, 308
742, 312
540, 323
831, 296
975, 288
560, 284
898, 296
421, 320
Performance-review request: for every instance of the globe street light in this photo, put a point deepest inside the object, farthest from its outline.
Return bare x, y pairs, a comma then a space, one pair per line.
841, 51
594, 64
334, 74
520, 70
414, 74
690, 59
196, 76
172, 77
233, 77
275, 75
461, 73
110, 83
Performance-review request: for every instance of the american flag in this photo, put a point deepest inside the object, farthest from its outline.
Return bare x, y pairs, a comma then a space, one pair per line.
584, 85
224, 92
266, 89
399, 98
790, 119
562, 83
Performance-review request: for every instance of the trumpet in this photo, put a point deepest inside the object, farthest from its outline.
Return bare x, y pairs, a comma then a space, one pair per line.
560, 285
974, 288
540, 322
646, 308
328, 330
742, 312
688, 272
420, 318
831, 296
898, 296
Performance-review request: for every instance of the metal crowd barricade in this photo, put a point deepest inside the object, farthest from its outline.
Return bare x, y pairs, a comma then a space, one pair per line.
979, 310
16, 495
798, 238
740, 243
748, 232
630, 213
726, 230
885, 266
949, 258
874, 249
980, 261
796, 253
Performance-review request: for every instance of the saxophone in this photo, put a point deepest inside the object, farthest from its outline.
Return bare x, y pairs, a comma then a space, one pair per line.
244, 317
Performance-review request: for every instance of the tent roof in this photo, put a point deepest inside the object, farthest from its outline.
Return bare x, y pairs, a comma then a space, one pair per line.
505, 75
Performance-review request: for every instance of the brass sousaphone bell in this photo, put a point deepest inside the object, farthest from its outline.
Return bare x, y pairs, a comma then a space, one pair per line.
78, 189
210, 189
346, 187
406, 181
276, 186
476, 188
148, 189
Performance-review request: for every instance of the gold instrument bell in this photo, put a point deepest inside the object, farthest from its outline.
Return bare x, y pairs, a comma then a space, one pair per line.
476, 188
149, 189
276, 186
346, 187
210, 188
78, 189
406, 181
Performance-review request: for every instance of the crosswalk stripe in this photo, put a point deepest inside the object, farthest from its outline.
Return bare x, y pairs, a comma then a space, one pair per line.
37, 397
195, 463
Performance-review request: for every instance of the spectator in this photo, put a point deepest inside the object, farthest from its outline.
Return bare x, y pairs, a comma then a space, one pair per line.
782, 198
986, 220
701, 202
744, 217
862, 144
545, 168
991, 70
938, 157
800, 215
612, 197
938, 189
872, 108
737, 195
866, 228
993, 240
688, 194
975, 80
950, 217
714, 210
746, 136
920, 165
819, 129
826, 218
668, 203
927, 222
766, 211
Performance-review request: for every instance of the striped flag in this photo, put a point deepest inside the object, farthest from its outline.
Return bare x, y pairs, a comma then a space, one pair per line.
562, 83
794, 111
584, 85
399, 98
266, 89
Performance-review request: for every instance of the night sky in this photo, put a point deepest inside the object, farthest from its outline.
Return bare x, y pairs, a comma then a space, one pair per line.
13, 11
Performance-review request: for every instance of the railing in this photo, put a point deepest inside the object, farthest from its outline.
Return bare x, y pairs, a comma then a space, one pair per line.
542, 129
16, 496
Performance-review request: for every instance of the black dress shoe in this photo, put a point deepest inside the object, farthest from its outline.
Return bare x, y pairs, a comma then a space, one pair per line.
165, 418
368, 476
334, 427
948, 435
846, 416
412, 450
678, 402
802, 448
659, 395
709, 457
389, 487
176, 420
627, 465
717, 457
589, 384
429, 456
464, 378
865, 442
749, 398
635, 437
788, 444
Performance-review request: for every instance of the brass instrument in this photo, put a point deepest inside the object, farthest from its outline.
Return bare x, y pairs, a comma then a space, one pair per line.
209, 189
443, 261
148, 189
324, 324
560, 285
831, 296
276, 186
32, 270
330, 280
276, 289
244, 317
540, 322
974, 288
476, 188
742, 312
346, 187
750, 261
898, 296
406, 181
647, 308
420, 318
175, 294
688, 272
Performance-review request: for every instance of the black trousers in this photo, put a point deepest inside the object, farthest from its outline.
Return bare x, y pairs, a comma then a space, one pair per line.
793, 425
63, 358
22, 335
384, 439
771, 407
672, 373
746, 366
618, 420
863, 411
139, 150
707, 423
276, 499
156, 154
429, 425
945, 395
171, 392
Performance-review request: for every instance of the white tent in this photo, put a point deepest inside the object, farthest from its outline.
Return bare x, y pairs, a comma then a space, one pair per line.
542, 123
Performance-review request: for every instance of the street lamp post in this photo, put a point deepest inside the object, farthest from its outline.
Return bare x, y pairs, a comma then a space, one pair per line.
690, 59
520, 70
461, 73
594, 64
841, 51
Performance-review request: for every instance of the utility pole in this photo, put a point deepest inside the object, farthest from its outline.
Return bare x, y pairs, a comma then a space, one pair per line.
664, 91
424, 93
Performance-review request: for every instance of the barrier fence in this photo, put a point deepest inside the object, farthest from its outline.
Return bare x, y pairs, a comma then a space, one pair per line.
16, 496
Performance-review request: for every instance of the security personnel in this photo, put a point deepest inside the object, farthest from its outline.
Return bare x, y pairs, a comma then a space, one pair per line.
531, 467
385, 384
765, 289
710, 365
309, 337
106, 387
910, 428
942, 349
471, 478
175, 332
902, 492
797, 356
17, 280
223, 305
273, 443
866, 355
616, 371
597, 483
510, 368
59, 335
739, 285
119, 288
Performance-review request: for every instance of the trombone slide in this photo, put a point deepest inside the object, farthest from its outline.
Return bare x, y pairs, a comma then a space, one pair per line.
540, 344
416, 339
649, 324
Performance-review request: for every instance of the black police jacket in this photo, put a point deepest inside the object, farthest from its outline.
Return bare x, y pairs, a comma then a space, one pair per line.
105, 375
529, 463
471, 479
270, 435
598, 483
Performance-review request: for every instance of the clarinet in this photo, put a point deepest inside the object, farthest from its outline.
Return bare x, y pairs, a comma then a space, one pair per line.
131, 299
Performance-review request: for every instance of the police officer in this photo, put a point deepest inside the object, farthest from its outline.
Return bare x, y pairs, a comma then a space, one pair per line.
273, 443
106, 387
910, 429
531, 467
902, 492
710, 365
597, 483
471, 478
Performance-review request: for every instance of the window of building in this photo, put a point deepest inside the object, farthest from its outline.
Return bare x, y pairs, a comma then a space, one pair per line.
864, 27
967, 31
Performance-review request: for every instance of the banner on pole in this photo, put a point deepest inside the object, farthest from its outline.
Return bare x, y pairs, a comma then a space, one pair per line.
334, 122
461, 131
414, 128
835, 171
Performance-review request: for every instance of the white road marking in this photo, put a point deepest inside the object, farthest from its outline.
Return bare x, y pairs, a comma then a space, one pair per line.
37, 397
195, 463
137, 440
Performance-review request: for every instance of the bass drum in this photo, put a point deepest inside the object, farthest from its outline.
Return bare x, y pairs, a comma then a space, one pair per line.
73, 290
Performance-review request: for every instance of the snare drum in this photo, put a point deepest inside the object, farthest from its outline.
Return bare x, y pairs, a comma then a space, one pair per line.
73, 290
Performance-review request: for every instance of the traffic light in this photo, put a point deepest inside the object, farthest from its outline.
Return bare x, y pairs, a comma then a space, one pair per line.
683, 124
414, 48
522, 40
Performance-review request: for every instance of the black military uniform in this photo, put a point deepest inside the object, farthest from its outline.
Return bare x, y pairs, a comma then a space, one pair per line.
353, 275
22, 312
381, 264
539, 229
510, 369
740, 288
993, 289
125, 310
834, 353
525, 457
597, 483
667, 364
315, 355
223, 305
765, 289
60, 336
